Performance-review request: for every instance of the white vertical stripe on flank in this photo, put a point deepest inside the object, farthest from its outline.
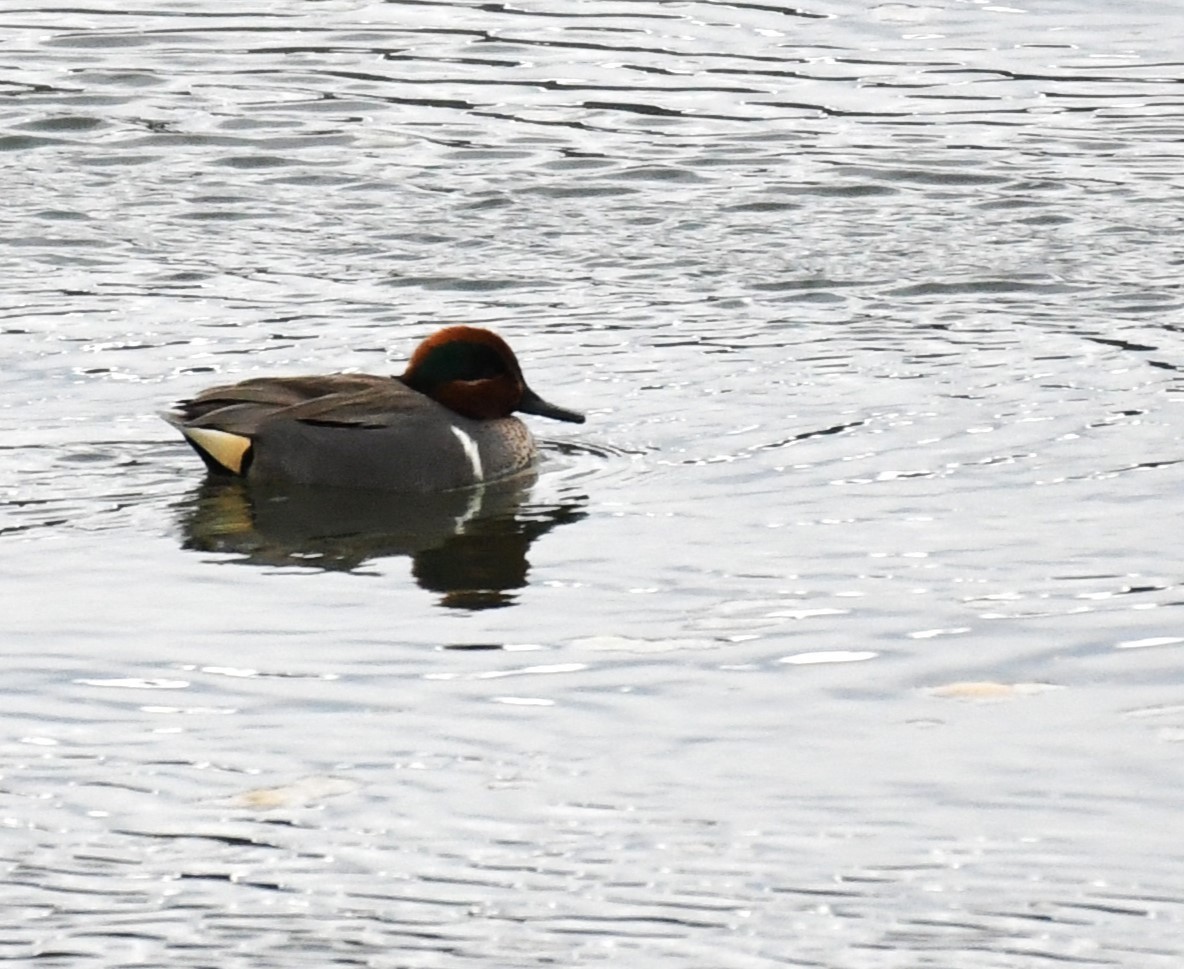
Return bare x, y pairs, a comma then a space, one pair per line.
469, 446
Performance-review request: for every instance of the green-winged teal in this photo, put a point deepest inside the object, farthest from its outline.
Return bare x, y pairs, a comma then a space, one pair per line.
445, 423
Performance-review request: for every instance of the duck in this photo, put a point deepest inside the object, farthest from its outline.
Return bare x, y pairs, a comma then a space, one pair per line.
445, 423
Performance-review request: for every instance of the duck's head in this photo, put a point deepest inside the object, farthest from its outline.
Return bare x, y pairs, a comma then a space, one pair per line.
474, 372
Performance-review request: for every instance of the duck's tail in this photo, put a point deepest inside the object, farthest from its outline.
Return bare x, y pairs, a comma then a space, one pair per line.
223, 452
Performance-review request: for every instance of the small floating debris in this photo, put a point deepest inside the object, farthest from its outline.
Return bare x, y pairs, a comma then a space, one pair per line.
301, 793
988, 690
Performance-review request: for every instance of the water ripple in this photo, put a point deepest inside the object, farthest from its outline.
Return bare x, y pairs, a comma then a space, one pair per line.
875, 312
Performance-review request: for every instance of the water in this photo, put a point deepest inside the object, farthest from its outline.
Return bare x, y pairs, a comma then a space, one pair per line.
845, 633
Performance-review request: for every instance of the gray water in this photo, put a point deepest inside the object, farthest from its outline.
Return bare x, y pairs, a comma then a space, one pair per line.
846, 633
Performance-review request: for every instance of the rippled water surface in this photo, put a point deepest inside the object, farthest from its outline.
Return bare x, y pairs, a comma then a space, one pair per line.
846, 633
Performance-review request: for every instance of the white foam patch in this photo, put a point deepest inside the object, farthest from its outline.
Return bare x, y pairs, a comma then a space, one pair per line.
829, 656
1153, 641
469, 446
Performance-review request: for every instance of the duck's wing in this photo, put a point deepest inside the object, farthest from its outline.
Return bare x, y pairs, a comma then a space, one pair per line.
361, 400
380, 405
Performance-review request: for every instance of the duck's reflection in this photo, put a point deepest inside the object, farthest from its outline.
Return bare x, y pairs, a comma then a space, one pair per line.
469, 546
